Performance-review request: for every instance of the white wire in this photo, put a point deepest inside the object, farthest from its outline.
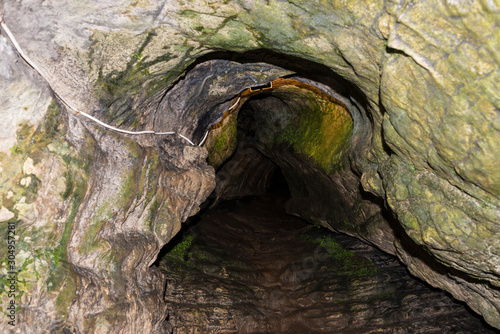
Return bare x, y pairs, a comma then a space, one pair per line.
204, 138
69, 105
208, 131
186, 139
235, 104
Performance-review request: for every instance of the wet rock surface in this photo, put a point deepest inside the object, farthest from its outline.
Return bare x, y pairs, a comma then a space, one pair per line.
247, 267
93, 208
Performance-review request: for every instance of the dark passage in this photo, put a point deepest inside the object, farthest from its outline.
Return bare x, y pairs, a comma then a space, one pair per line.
248, 267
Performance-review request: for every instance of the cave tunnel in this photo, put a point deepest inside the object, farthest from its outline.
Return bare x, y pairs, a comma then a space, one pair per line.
250, 166
273, 249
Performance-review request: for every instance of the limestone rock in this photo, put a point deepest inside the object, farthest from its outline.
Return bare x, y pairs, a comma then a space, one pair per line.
420, 81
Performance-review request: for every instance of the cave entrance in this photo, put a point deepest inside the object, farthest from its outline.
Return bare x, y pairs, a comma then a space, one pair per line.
247, 264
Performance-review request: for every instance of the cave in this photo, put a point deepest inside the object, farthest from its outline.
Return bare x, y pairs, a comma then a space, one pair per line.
247, 262
245, 266
135, 131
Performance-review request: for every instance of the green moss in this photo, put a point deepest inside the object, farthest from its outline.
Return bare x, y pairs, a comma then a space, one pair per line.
118, 90
33, 142
321, 131
76, 175
117, 83
348, 262
60, 256
128, 191
52, 122
134, 148
50, 131
69, 185
47, 246
131, 190
90, 241
115, 88
31, 191
61, 279
185, 256
224, 142
153, 209
233, 36
15, 150
180, 252
66, 296
274, 25
200, 256
336, 251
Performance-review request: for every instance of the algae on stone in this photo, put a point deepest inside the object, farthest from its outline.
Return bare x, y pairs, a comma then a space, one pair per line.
427, 73
321, 130
222, 141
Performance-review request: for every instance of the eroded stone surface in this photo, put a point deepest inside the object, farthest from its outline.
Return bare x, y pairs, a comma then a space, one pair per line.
422, 87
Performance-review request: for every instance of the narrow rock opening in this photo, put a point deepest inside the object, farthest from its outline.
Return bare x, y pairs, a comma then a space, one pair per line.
245, 266
248, 264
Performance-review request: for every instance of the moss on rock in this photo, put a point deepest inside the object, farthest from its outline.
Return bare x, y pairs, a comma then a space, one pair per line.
428, 73
320, 130
222, 141
32, 189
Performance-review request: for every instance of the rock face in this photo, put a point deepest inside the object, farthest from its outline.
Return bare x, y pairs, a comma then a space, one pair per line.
417, 177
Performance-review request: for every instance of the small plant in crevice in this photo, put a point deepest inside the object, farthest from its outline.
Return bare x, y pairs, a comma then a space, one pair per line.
15, 150
138, 56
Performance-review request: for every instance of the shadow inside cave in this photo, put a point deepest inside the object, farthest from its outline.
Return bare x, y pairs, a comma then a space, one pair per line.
245, 266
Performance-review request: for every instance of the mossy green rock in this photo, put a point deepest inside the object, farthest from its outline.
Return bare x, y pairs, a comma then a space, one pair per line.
94, 207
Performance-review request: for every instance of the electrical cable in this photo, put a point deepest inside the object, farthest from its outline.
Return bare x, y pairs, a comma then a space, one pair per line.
69, 105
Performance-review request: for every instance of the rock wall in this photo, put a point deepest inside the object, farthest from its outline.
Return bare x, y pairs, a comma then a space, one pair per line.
92, 208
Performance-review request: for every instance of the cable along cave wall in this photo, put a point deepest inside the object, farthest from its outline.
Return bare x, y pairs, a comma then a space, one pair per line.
93, 208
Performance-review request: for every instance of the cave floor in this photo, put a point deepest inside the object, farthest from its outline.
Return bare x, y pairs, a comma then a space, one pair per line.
247, 267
